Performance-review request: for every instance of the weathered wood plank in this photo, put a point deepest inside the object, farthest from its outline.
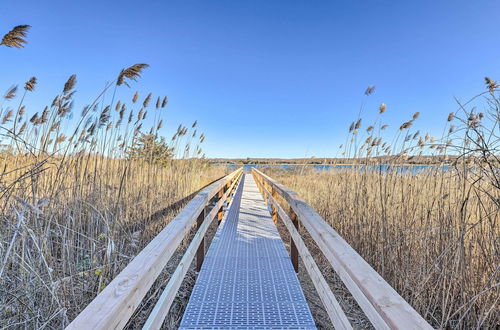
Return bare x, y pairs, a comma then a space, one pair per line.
200, 253
112, 308
383, 306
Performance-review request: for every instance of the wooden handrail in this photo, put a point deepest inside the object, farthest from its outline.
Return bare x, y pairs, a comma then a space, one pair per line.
114, 306
162, 306
332, 306
383, 306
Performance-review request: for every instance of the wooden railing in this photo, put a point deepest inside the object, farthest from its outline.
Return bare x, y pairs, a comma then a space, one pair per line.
382, 305
114, 306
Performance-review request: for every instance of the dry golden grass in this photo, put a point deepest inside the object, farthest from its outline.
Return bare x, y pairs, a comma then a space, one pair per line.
82, 192
434, 242
66, 233
433, 234
76, 205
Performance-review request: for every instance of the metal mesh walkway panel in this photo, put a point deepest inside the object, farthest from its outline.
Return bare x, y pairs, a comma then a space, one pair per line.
247, 280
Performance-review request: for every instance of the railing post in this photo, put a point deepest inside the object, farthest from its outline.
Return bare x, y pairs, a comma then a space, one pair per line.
274, 212
220, 214
200, 253
294, 253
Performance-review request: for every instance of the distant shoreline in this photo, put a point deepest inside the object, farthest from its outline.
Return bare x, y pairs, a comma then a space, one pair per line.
327, 164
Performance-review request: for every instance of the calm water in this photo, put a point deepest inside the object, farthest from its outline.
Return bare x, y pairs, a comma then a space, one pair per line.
414, 169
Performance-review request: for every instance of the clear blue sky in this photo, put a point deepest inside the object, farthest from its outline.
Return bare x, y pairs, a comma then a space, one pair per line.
264, 78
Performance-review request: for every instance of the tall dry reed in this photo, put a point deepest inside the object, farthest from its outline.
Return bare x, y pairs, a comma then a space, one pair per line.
76, 205
433, 233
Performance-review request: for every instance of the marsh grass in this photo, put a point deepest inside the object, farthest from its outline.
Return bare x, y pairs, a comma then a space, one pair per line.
434, 235
75, 205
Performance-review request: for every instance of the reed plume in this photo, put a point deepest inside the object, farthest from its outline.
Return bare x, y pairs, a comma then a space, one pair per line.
491, 84
146, 101
369, 90
15, 37
133, 73
70, 84
11, 93
405, 125
7, 117
30, 84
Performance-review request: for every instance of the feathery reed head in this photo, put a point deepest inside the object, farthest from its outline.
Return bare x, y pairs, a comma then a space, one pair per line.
70, 84
491, 84
6, 118
105, 116
406, 125
21, 110
382, 108
133, 72
358, 124
146, 101
11, 93
15, 37
34, 118
370, 89
30, 84
45, 115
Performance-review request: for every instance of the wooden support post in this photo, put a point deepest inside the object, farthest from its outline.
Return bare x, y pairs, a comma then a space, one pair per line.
274, 212
200, 253
294, 253
220, 214
230, 196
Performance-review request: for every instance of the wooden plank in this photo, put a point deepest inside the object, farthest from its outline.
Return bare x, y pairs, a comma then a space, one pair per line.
112, 308
294, 254
221, 208
332, 306
383, 306
200, 253
160, 311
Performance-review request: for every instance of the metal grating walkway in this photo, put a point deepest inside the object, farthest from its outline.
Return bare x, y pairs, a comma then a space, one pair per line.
247, 280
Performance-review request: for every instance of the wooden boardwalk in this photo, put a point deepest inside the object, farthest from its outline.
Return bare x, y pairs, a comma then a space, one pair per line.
247, 280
